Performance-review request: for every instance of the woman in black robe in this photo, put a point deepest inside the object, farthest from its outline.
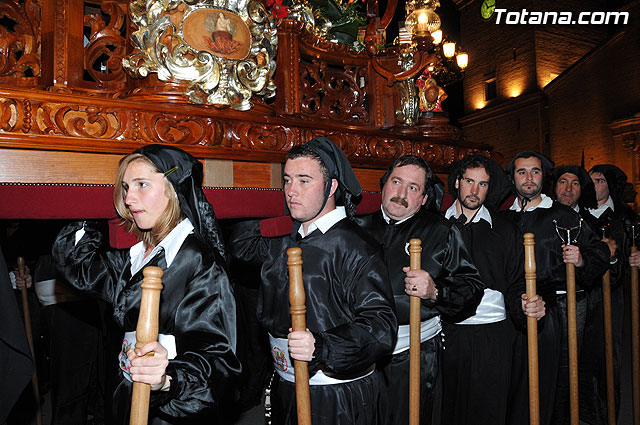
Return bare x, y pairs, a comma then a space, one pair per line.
159, 196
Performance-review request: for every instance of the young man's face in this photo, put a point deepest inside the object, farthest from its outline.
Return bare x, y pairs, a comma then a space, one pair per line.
527, 177
473, 188
402, 194
602, 187
568, 190
304, 189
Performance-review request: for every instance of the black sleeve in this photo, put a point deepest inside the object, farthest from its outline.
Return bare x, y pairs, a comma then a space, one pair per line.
460, 288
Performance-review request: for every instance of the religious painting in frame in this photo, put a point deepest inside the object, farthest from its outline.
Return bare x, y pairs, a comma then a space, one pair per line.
225, 50
217, 31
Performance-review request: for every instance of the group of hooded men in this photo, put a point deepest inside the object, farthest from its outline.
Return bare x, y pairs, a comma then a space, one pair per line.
471, 286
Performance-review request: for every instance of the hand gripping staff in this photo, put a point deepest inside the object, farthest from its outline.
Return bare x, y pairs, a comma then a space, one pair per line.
146, 331
298, 323
567, 238
532, 330
415, 252
27, 326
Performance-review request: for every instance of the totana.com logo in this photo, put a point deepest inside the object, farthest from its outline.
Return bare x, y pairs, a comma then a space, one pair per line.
559, 18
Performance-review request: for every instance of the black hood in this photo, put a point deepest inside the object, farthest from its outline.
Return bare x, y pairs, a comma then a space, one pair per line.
185, 174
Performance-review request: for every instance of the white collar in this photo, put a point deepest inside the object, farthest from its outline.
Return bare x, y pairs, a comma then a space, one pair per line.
545, 203
387, 218
481, 214
170, 244
597, 212
325, 222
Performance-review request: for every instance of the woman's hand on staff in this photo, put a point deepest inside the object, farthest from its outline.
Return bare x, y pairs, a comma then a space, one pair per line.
301, 345
634, 259
571, 255
419, 283
22, 281
533, 307
150, 370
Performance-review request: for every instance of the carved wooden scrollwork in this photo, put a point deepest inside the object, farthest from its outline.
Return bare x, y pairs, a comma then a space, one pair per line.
106, 46
334, 93
20, 38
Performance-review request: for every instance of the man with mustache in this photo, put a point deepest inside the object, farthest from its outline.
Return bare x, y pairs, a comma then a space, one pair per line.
534, 212
448, 284
477, 361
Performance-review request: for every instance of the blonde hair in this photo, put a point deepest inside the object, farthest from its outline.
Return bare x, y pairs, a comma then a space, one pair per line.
169, 219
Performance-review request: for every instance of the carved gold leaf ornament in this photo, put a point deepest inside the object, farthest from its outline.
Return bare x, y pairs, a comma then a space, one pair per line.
224, 49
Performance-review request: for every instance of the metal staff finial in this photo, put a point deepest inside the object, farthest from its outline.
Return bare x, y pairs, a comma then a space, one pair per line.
566, 238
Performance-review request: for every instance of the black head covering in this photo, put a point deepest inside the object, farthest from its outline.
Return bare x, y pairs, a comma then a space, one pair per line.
185, 174
547, 164
616, 180
338, 166
499, 186
587, 189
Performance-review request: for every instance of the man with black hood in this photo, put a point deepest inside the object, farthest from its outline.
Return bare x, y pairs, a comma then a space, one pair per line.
573, 188
448, 283
477, 360
350, 314
534, 212
609, 220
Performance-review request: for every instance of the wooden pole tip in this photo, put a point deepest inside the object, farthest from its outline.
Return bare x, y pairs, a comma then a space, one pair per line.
414, 245
294, 256
152, 272
528, 237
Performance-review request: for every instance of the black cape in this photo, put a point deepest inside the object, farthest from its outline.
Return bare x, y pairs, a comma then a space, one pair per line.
349, 310
15, 355
592, 383
444, 256
460, 289
477, 364
551, 277
196, 307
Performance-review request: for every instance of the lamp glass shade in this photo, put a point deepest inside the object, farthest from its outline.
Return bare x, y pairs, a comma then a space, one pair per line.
422, 22
449, 49
437, 36
462, 59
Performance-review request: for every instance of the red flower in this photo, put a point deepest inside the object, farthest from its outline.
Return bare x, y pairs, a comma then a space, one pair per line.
278, 9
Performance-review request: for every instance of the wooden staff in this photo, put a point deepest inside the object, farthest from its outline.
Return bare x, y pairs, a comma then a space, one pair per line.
298, 323
635, 342
573, 342
532, 330
415, 252
27, 326
146, 331
608, 344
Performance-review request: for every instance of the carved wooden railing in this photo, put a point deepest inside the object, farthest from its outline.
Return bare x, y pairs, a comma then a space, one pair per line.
63, 87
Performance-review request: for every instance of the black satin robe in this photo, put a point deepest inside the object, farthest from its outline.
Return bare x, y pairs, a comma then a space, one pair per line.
196, 307
592, 367
477, 360
552, 339
15, 355
349, 311
460, 289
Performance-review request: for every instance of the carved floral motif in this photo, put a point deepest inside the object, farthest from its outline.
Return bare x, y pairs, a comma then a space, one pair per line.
20, 38
105, 40
134, 123
334, 93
